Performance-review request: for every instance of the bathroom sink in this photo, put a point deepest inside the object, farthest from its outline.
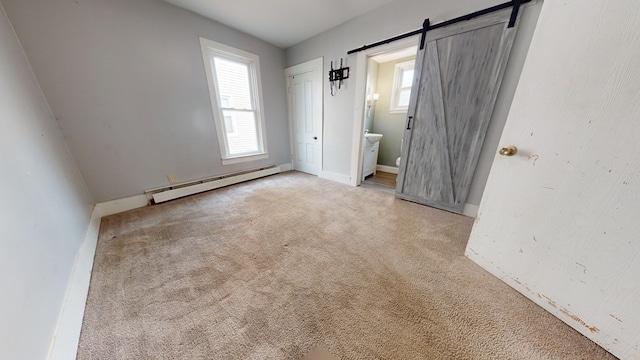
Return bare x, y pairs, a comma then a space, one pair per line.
372, 138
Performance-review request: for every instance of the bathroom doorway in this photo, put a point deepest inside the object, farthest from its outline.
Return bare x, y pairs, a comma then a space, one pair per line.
389, 77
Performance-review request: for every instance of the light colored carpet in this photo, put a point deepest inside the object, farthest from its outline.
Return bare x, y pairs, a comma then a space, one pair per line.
272, 268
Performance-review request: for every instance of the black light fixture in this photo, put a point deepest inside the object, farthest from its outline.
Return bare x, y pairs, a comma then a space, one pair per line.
337, 75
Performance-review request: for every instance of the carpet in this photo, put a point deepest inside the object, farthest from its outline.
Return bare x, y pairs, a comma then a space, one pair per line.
272, 268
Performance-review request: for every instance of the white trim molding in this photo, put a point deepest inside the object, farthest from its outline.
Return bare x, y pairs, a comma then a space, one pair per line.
470, 210
286, 167
388, 169
64, 345
120, 205
343, 179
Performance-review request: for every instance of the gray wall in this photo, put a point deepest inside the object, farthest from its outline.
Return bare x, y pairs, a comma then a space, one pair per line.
44, 209
391, 125
392, 19
126, 81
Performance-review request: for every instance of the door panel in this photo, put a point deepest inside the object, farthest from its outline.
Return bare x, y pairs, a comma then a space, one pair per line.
558, 220
454, 94
467, 71
429, 143
305, 126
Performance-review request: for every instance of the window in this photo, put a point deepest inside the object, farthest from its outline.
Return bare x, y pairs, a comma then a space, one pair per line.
234, 82
402, 82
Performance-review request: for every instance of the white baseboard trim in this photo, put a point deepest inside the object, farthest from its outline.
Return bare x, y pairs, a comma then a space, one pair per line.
64, 345
197, 188
343, 179
286, 167
385, 168
120, 205
470, 210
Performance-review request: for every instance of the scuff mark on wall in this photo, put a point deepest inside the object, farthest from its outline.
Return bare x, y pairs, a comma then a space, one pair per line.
615, 317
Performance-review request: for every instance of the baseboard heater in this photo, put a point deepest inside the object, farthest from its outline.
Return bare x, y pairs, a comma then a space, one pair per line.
185, 189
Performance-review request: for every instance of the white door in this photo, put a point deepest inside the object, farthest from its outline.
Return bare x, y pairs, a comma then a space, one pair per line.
558, 220
305, 109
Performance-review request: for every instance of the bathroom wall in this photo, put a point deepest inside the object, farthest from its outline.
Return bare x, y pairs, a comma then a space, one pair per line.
391, 125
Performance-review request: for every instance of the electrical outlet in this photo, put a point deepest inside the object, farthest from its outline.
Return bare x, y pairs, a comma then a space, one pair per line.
173, 179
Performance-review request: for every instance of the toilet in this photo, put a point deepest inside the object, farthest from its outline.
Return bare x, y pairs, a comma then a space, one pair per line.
398, 159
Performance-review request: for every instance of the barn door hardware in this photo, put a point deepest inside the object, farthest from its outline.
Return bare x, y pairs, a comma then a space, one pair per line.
426, 26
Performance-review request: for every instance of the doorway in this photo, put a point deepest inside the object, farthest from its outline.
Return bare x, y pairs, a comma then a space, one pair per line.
367, 71
388, 89
304, 100
431, 161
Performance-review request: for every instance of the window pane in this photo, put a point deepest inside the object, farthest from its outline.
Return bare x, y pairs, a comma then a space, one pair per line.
228, 124
245, 137
403, 97
407, 78
225, 101
233, 83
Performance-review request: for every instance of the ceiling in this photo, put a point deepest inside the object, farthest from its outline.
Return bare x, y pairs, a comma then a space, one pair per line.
280, 22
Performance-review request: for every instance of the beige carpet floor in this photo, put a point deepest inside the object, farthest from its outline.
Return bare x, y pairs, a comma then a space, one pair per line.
272, 268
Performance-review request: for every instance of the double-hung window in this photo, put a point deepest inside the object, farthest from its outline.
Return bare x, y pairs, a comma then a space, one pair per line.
402, 83
234, 82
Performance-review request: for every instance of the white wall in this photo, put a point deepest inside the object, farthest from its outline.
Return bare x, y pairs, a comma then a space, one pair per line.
398, 17
559, 220
126, 81
44, 209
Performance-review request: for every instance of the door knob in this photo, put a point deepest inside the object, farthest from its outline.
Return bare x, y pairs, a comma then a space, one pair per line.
508, 151
315, 138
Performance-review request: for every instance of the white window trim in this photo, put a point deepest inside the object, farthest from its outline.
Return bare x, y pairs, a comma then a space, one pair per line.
397, 80
210, 48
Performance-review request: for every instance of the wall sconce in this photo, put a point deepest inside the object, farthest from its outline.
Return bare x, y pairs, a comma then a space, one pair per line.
371, 102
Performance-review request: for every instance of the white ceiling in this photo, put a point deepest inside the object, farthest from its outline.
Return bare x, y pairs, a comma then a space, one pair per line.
280, 22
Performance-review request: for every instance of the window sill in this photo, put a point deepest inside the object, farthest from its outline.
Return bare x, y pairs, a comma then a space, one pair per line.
398, 111
241, 159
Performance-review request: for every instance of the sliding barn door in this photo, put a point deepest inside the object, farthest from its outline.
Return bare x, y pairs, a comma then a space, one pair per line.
457, 78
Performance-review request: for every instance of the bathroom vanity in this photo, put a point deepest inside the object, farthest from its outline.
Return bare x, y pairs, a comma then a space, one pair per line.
370, 145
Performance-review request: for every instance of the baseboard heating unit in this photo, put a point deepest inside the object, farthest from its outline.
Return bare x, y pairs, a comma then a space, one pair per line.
194, 187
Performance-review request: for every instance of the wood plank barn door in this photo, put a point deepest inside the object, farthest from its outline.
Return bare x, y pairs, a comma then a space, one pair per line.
456, 82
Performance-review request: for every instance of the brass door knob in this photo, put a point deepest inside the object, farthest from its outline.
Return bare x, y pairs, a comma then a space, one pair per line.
508, 151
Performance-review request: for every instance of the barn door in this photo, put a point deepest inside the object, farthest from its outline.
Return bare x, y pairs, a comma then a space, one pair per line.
457, 78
